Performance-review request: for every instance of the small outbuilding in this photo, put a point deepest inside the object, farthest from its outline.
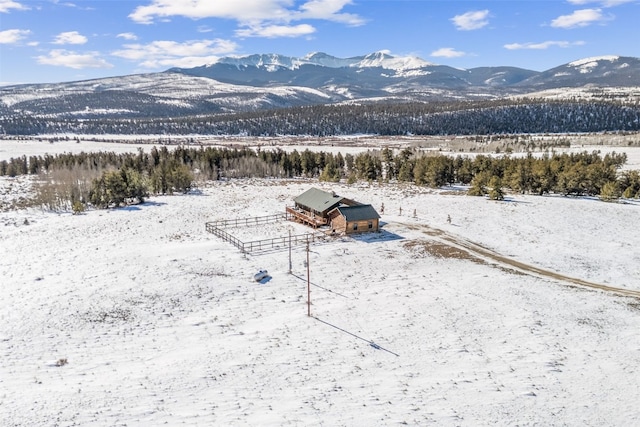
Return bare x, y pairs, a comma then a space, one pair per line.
318, 208
354, 219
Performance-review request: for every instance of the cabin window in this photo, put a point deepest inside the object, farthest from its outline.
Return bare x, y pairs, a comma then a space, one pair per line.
370, 225
355, 226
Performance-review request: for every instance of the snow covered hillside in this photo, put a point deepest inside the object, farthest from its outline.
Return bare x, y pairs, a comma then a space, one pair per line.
137, 316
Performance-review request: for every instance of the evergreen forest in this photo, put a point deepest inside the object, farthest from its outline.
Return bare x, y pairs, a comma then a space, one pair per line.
106, 179
495, 117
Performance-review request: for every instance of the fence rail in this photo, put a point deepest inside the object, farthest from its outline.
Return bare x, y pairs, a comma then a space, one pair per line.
246, 222
217, 228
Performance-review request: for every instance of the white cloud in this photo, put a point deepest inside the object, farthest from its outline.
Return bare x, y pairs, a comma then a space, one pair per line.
274, 31
164, 53
13, 36
66, 58
204, 29
183, 62
579, 18
7, 5
330, 11
70, 37
472, 20
247, 10
447, 52
66, 4
127, 36
273, 17
603, 3
542, 45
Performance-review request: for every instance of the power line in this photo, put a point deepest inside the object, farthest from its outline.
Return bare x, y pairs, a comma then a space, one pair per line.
371, 343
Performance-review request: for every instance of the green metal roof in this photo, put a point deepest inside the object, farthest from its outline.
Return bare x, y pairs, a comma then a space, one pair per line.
358, 213
318, 200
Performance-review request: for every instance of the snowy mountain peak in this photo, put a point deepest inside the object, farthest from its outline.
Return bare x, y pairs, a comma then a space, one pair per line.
380, 55
273, 62
587, 65
385, 60
592, 60
325, 60
268, 61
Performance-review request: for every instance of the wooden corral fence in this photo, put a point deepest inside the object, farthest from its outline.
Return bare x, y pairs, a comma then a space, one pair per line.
217, 228
246, 222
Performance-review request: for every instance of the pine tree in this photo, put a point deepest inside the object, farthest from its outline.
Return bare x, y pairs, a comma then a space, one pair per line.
136, 186
181, 178
478, 185
496, 193
630, 181
610, 192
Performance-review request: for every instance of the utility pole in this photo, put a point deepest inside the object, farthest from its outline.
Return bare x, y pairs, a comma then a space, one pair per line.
289, 250
308, 283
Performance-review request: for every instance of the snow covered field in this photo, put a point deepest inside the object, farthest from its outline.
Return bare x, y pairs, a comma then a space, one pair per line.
154, 321
353, 145
34, 147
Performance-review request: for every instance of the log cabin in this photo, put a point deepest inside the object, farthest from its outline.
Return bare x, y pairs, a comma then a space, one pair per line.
318, 208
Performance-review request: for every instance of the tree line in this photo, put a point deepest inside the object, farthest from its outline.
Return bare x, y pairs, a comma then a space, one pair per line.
506, 116
106, 179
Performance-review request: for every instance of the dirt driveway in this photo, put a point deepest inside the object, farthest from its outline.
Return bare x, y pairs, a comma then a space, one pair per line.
442, 244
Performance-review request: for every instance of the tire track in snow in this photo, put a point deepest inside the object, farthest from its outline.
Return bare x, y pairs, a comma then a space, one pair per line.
478, 250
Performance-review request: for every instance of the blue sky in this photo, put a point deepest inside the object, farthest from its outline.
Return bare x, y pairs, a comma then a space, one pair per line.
60, 40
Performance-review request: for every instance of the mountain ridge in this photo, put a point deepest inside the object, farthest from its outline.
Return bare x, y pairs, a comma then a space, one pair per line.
267, 81
382, 72
273, 60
